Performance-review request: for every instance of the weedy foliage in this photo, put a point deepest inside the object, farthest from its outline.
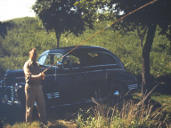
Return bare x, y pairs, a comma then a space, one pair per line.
130, 114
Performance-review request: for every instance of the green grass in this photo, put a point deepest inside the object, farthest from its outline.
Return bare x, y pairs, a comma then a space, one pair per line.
24, 125
51, 124
164, 100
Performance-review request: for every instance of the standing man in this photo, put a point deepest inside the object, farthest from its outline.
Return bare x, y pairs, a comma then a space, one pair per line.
33, 88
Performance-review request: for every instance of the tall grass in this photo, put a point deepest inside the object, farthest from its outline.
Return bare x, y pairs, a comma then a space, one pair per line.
130, 114
123, 114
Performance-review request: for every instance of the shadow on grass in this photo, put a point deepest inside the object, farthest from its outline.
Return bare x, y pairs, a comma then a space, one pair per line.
60, 117
11, 114
165, 84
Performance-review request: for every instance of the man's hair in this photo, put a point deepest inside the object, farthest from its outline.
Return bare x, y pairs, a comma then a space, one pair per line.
32, 53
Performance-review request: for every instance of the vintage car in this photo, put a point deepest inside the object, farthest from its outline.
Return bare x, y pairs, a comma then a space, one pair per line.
74, 75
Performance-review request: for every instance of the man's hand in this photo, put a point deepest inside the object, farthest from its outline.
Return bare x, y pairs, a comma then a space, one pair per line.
42, 75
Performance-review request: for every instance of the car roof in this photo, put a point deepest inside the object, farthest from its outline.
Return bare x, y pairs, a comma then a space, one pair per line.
75, 48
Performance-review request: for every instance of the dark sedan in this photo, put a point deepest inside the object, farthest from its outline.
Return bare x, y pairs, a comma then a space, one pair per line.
74, 77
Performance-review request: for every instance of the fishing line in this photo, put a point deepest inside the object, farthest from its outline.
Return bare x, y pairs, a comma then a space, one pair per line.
98, 32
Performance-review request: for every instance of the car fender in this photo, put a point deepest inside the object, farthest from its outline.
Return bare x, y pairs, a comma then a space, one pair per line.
122, 81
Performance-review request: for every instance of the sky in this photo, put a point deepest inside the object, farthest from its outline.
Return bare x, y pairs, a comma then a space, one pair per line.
10, 9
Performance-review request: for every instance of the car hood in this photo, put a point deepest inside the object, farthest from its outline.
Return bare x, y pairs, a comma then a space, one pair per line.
13, 76
14, 73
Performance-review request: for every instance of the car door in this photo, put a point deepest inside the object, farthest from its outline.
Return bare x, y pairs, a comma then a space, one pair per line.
98, 65
68, 78
48, 62
63, 79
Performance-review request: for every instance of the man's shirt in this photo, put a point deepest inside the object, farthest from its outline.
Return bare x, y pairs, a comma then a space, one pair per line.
31, 68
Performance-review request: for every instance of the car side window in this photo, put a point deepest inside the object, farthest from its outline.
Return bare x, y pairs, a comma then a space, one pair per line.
57, 58
50, 59
42, 59
71, 61
99, 58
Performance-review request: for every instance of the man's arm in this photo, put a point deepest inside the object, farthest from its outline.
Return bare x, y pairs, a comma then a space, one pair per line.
39, 76
30, 76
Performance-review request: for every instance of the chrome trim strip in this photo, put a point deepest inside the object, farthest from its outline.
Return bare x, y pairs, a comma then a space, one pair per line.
132, 86
119, 69
53, 95
94, 66
101, 65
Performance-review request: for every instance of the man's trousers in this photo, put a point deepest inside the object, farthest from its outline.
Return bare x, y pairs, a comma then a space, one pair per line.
34, 93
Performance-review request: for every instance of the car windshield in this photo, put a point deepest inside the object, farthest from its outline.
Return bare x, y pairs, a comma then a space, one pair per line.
50, 59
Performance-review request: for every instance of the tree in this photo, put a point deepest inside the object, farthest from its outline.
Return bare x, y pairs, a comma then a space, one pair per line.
65, 16
4, 26
149, 17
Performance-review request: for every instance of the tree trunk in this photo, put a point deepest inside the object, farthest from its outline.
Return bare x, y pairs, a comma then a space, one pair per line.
58, 39
146, 57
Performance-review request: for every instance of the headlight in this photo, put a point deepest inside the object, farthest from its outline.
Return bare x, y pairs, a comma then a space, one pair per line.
19, 85
116, 93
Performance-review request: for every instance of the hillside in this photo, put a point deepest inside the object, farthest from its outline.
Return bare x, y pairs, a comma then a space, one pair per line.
18, 36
